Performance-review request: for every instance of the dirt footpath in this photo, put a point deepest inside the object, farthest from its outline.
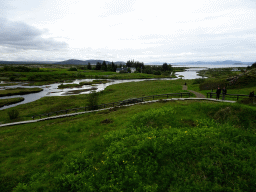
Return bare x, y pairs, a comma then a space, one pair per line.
198, 95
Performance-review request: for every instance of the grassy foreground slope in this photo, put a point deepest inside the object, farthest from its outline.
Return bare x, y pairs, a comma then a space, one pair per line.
175, 146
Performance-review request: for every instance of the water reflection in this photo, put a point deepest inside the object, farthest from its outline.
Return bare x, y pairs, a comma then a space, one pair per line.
190, 73
52, 89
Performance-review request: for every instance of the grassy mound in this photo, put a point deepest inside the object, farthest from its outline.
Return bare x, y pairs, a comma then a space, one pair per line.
185, 147
10, 101
19, 91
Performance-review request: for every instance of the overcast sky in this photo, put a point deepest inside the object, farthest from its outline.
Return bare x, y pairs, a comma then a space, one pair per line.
120, 30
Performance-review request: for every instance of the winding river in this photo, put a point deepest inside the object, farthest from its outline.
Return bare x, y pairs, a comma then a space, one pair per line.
52, 89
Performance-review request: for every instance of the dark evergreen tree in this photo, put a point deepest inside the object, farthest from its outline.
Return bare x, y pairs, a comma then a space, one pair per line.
98, 66
89, 67
165, 67
113, 66
104, 66
129, 64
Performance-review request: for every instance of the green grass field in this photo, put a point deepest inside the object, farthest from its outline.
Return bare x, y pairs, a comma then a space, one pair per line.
4, 102
19, 91
164, 146
152, 147
60, 75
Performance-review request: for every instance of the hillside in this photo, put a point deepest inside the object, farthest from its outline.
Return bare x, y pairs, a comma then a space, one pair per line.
81, 62
175, 146
164, 146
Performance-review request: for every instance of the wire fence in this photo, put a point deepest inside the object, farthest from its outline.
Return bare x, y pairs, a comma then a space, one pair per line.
211, 94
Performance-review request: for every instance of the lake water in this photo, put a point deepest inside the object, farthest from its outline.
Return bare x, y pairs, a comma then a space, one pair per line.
52, 89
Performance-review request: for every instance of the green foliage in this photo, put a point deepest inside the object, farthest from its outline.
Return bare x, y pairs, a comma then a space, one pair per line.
92, 100
123, 71
4, 102
19, 91
243, 81
165, 67
72, 69
157, 73
155, 152
138, 65
17, 69
216, 72
212, 84
13, 114
12, 78
198, 81
104, 66
98, 66
89, 67
252, 66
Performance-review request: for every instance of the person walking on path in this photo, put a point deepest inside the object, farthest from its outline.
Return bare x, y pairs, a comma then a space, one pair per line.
224, 92
218, 92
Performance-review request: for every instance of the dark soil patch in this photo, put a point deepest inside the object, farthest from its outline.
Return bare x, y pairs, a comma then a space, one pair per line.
107, 121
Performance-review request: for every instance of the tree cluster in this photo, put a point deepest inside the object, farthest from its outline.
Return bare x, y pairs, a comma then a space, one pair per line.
252, 66
105, 67
158, 70
140, 67
20, 69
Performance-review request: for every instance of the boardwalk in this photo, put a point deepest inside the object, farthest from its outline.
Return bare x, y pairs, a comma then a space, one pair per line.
145, 102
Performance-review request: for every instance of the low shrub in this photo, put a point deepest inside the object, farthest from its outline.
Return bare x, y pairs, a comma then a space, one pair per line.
13, 114
198, 81
92, 100
148, 156
157, 73
72, 69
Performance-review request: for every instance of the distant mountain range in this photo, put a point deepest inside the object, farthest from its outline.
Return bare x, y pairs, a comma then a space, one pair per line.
93, 62
205, 62
66, 62
27, 62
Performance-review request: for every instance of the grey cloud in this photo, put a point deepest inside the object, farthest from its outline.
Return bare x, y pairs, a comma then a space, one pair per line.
22, 36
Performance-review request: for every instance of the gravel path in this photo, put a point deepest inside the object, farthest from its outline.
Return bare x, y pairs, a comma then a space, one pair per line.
198, 95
